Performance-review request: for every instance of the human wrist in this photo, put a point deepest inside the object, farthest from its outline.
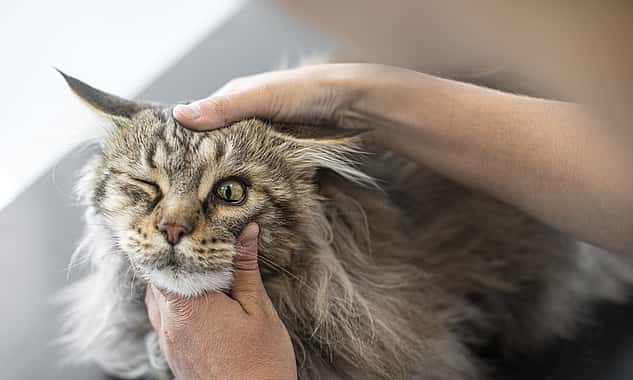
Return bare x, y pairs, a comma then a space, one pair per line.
386, 99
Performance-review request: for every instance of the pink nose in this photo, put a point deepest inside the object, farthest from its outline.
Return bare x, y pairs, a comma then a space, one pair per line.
173, 232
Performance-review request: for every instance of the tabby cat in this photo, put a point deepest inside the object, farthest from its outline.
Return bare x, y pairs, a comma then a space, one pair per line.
379, 268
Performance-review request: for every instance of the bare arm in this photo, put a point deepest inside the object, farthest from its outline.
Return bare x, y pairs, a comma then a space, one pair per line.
552, 159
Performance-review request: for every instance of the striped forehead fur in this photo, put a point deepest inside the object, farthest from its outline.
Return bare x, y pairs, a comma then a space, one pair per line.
160, 136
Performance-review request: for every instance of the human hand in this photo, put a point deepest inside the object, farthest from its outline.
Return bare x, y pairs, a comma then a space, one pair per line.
343, 95
217, 336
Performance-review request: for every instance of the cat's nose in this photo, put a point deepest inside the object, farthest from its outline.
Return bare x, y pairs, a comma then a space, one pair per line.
173, 232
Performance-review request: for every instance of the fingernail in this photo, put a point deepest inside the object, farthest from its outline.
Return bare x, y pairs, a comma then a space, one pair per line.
187, 111
249, 235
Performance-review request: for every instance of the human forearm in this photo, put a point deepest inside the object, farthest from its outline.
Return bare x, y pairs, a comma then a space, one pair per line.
553, 160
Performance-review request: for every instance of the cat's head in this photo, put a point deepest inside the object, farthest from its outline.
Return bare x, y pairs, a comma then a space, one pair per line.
174, 201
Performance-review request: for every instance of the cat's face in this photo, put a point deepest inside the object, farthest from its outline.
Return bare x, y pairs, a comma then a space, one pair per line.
174, 201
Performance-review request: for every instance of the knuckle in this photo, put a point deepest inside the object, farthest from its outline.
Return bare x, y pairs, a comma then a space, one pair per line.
273, 100
247, 264
182, 310
217, 105
233, 83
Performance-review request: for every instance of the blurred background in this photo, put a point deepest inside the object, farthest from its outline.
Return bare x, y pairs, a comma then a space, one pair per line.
174, 51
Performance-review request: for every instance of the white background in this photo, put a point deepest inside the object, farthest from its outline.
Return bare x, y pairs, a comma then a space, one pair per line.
116, 45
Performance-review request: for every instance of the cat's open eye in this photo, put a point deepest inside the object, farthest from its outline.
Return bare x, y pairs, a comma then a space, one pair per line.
231, 191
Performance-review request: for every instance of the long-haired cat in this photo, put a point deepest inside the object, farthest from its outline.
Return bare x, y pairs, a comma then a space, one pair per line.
379, 268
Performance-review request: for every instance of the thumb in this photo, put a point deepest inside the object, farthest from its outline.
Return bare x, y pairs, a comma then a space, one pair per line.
168, 310
248, 288
220, 110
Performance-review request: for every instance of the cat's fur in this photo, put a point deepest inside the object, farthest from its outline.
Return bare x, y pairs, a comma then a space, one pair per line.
396, 281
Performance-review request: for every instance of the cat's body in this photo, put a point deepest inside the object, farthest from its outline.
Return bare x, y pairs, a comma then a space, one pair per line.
397, 282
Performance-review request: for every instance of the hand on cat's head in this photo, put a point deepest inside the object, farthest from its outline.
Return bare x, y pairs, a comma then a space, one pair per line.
245, 323
284, 96
318, 94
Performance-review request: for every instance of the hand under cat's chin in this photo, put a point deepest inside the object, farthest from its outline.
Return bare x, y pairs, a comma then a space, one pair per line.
190, 284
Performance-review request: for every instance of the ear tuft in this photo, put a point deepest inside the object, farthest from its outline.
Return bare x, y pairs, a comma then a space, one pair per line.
319, 134
102, 102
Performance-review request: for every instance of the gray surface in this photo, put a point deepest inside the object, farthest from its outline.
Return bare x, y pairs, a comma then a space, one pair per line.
257, 39
38, 232
40, 229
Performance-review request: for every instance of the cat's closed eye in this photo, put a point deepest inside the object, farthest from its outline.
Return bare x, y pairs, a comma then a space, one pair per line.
149, 187
231, 191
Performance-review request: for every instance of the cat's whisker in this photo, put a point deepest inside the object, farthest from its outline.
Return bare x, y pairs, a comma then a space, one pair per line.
298, 279
132, 282
286, 271
70, 267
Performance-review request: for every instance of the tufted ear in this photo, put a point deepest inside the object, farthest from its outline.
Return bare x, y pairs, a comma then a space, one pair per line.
319, 134
328, 148
103, 103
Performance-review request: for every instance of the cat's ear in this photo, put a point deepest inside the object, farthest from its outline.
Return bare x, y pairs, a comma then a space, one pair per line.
319, 134
101, 102
328, 148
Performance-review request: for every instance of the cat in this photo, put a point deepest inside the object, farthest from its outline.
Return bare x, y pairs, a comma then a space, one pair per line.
379, 268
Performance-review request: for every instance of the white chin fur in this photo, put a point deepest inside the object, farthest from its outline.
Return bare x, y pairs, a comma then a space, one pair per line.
190, 284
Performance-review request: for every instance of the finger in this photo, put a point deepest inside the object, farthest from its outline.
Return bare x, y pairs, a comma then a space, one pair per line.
174, 308
153, 311
248, 288
176, 311
220, 110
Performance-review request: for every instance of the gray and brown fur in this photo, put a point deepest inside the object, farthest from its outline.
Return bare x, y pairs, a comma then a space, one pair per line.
396, 281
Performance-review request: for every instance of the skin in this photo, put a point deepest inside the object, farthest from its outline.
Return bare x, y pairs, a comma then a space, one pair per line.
554, 160
219, 336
